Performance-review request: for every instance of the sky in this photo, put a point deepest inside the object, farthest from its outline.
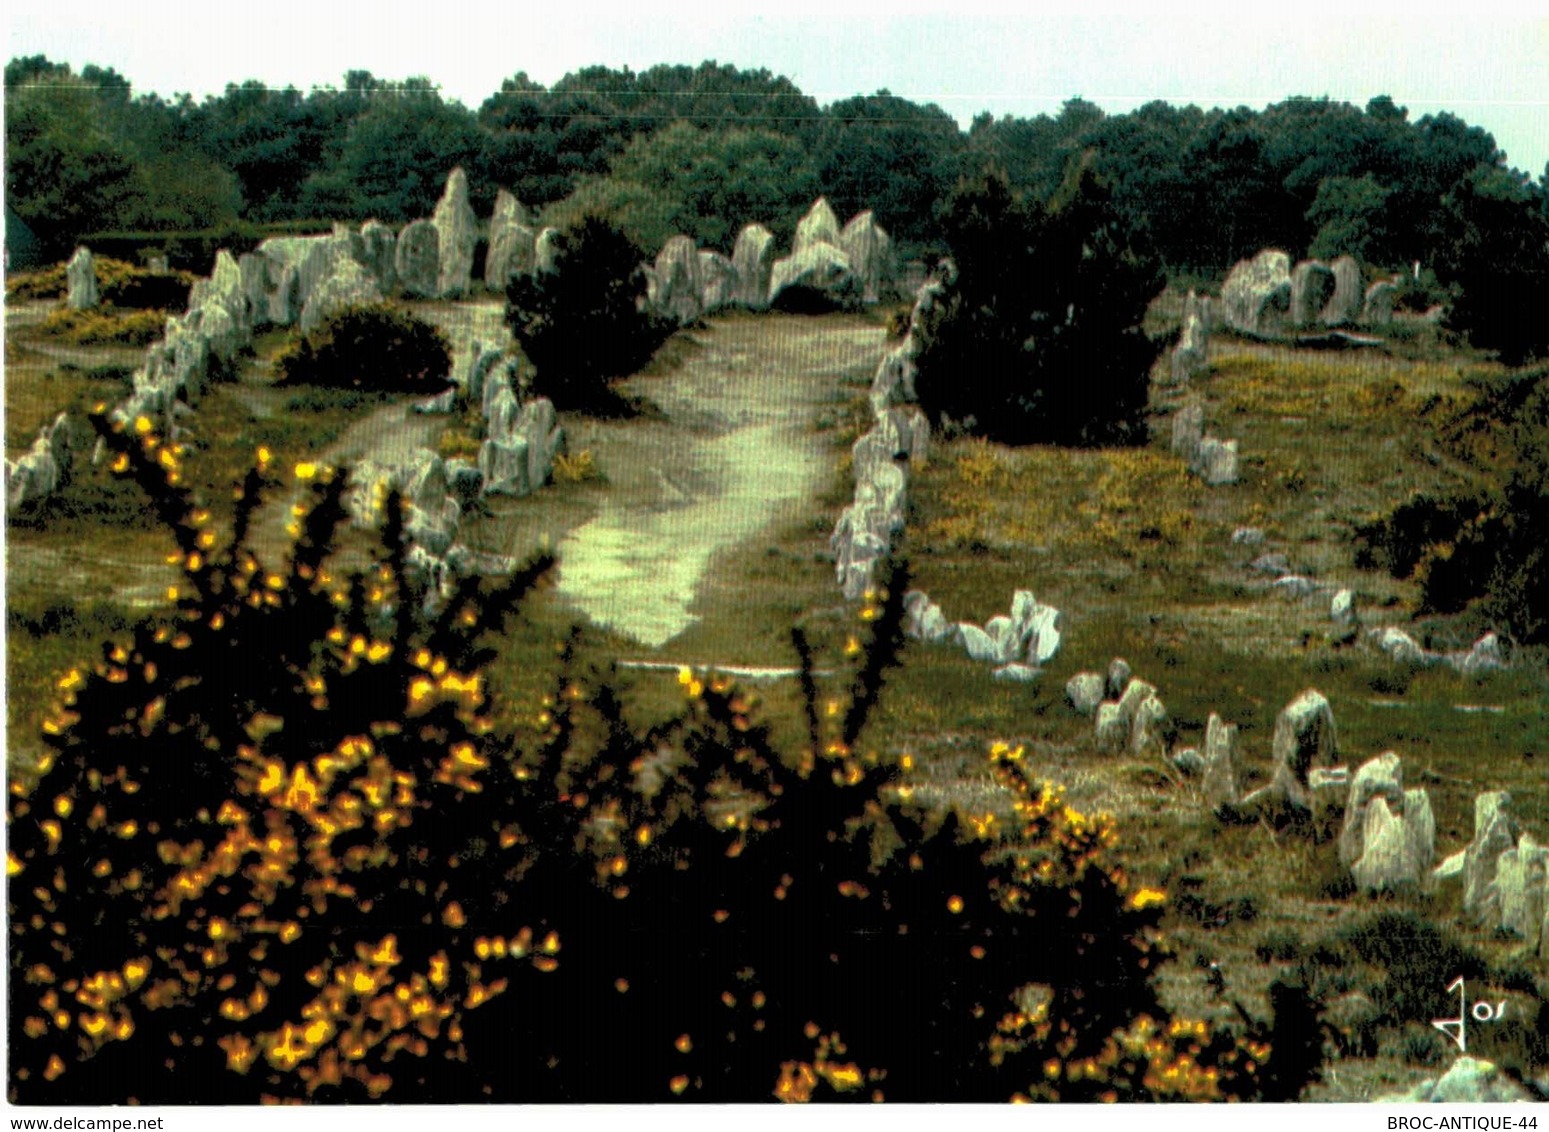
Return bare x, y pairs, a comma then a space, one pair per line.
1483, 61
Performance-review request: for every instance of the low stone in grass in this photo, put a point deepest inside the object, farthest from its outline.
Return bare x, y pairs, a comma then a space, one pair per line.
1084, 691
1220, 773
1110, 731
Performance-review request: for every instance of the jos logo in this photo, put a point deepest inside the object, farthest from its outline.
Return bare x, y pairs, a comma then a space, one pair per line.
1457, 1028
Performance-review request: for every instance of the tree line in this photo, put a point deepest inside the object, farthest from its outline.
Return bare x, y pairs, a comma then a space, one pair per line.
703, 149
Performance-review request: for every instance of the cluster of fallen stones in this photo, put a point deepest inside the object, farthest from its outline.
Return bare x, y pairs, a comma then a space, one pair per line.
1265, 297
848, 266
1388, 839
1484, 655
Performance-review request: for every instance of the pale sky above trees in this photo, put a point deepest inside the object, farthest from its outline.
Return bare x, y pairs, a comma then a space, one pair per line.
1481, 61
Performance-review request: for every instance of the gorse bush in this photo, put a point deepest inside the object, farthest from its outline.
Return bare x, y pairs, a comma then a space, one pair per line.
583, 323
1039, 336
119, 284
106, 327
378, 346
279, 850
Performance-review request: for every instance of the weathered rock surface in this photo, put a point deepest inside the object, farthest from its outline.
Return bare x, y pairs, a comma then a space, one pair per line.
818, 268
1110, 730
1519, 889
675, 287
1253, 291
81, 281
1344, 305
378, 252
752, 257
870, 252
1342, 608
1220, 773
1377, 309
349, 284
1304, 739
1189, 358
819, 226
545, 252
511, 242
1084, 691
1470, 1080
717, 281
456, 236
417, 259
1118, 677
1308, 279
1495, 831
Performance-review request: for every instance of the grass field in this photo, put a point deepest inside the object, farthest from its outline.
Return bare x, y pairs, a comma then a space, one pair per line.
1135, 552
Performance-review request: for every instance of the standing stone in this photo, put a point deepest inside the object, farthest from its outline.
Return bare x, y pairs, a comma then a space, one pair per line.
511, 243
1188, 431
1084, 690
1344, 305
717, 281
977, 643
1189, 356
81, 280
1252, 289
1304, 737
1118, 677
456, 236
418, 259
1342, 608
870, 252
378, 250
1520, 877
1220, 784
1381, 777
819, 226
545, 251
1377, 311
1495, 831
753, 261
503, 466
1136, 692
1217, 462
1306, 290
1395, 847
1111, 731
1148, 729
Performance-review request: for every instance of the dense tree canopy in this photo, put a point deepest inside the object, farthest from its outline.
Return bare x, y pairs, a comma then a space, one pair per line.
704, 149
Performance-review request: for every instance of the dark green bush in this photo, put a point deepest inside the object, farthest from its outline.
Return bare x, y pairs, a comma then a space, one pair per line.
1039, 339
280, 850
583, 324
379, 347
1490, 544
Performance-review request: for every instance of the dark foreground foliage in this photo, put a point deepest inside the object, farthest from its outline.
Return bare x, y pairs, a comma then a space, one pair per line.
582, 324
378, 346
1039, 338
279, 850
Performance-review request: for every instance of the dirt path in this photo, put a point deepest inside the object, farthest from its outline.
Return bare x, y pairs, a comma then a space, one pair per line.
736, 454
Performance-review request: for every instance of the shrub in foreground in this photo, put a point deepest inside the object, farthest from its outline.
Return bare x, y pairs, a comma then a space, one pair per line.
280, 850
377, 346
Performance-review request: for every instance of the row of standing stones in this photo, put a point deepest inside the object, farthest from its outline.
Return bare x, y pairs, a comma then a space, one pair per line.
1388, 837
300, 280
1267, 299
1017, 644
